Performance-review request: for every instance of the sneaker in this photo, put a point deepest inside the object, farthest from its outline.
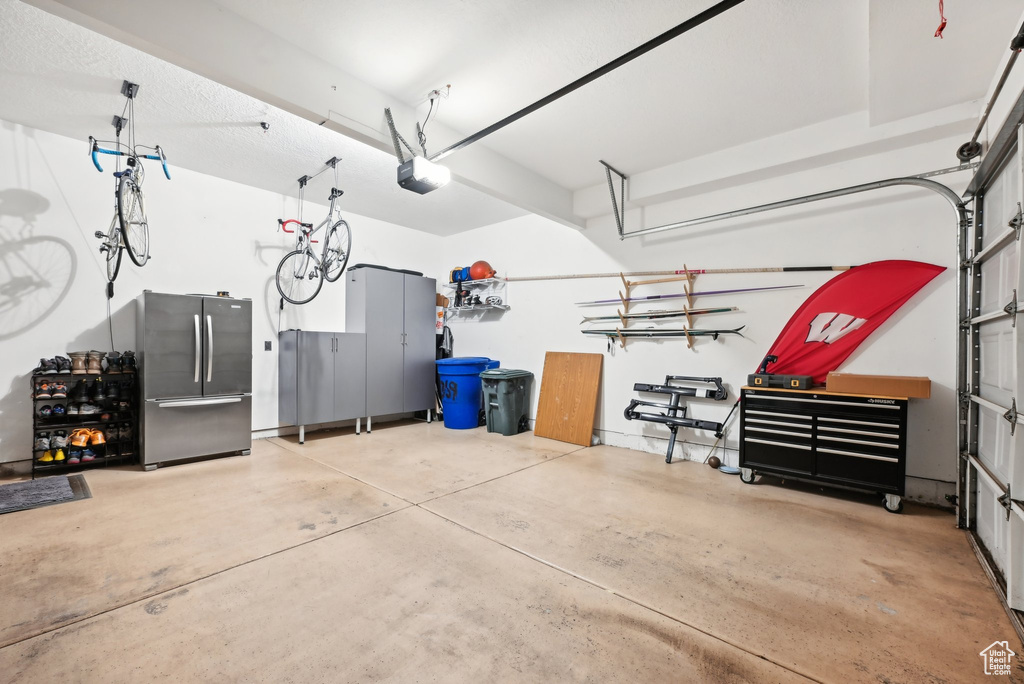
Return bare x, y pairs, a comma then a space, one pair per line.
88, 409
75, 457
46, 367
63, 364
59, 456
72, 409
59, 390
80, 392
125, 431
128, 363
43, 391
97, 438
114, 391
59, 439
59, 411
105, 417
80, 437
47, 456
45, 411
113, 363
98, 393
88, 455
42, 442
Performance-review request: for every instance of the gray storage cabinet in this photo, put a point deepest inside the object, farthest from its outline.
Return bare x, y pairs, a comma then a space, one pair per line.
396, 311
321, 377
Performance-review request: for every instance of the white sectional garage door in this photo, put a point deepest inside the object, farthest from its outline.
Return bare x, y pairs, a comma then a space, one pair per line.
995, 476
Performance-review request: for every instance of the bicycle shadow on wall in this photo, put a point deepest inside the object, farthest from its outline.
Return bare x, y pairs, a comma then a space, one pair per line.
271, 297
36, 271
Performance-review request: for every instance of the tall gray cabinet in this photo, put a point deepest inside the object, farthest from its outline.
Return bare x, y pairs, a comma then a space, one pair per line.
321, 377
395, 309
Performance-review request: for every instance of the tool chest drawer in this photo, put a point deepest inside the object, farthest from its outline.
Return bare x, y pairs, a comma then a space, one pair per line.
849, 440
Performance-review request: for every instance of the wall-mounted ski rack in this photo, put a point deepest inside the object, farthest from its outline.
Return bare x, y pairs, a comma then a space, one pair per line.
675, 412
688, 278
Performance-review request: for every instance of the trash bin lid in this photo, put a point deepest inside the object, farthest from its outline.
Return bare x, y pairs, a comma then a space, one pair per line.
462, 360
505, 374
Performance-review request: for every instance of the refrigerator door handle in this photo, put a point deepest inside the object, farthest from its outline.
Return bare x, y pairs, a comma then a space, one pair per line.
199, 402
198, 352
209, 348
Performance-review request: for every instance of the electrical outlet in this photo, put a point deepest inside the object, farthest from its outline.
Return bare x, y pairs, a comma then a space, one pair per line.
266, 346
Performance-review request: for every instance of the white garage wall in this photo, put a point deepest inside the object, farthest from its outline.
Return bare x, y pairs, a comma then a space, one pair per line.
890, 224
207, 234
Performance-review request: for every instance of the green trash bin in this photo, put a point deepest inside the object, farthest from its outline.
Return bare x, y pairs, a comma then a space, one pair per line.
507, 400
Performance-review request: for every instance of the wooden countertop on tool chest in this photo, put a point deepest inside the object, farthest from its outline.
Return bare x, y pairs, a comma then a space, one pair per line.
820, 391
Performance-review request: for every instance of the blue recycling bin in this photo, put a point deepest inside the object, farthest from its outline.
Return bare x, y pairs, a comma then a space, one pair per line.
461, 390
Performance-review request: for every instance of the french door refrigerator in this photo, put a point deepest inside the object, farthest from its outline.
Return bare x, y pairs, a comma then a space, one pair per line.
195, 371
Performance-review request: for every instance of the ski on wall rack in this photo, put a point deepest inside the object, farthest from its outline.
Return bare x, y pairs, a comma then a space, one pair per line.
660, 314
654, 333
684, 295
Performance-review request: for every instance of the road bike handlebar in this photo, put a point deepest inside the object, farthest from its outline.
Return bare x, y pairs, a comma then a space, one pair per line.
283, 225
95, 149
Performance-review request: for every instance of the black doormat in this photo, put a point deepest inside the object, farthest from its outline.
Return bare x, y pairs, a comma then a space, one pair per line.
21, 496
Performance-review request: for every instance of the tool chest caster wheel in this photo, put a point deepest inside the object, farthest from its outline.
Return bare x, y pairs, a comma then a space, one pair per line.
748, 476
893, 503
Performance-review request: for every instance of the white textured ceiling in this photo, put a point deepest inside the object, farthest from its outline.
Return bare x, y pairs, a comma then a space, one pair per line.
760, 69
60, 77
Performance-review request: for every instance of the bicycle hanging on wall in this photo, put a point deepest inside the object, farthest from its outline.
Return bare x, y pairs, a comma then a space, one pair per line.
129, 227
301, 273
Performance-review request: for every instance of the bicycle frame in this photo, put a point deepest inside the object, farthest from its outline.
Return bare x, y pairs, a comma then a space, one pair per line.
305, 236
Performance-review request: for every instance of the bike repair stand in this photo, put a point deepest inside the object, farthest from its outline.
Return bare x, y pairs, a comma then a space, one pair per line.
675, 412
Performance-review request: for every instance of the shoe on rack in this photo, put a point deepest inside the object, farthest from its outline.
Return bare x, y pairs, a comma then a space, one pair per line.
42, 442
59, 390
88, 409
96, 437
59, 456
125, 431
75, 457
94, 362
63, 364
113, 363
43, 390
72, 409
114, 391
79, 362
88, 455
59, 439
80, 392
128, 363
98, 393
47, 457
45, 367
45, 411
105, 417
59, 411
80, 437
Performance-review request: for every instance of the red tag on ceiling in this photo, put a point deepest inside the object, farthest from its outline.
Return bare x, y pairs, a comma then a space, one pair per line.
840, 314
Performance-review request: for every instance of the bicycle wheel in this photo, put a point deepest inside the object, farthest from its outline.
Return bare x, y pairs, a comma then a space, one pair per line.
299, 277
336, 250
112, 248
131, 211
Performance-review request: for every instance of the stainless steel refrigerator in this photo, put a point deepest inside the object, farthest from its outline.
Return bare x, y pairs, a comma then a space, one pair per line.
195, 372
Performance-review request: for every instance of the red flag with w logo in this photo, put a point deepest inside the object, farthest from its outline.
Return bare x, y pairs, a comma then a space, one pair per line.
834, 320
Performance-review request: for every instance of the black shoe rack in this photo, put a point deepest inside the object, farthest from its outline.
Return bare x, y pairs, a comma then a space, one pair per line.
114, 451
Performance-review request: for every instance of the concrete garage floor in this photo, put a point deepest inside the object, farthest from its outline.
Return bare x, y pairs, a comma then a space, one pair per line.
417, 553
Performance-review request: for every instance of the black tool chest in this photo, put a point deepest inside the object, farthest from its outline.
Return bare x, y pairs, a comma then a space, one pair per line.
843, 439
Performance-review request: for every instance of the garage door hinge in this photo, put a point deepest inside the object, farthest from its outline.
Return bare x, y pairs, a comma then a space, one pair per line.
1017, 221
1011, 415
965, 324
1006, 501
1011, 309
